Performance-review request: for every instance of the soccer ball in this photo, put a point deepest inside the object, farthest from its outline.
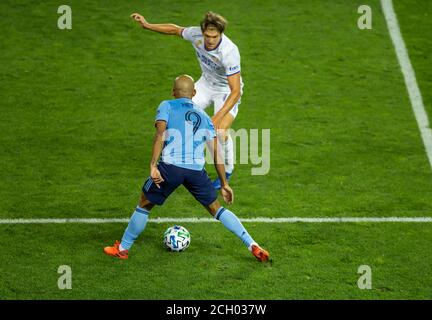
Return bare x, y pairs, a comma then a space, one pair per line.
176, 238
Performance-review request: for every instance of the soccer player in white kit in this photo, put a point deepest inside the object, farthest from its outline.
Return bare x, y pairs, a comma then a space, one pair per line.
220, 84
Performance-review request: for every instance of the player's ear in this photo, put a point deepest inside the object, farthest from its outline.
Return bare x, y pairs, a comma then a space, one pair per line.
194, 93
173, 92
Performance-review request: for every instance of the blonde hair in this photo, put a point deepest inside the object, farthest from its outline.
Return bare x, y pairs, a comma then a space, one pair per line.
213, 20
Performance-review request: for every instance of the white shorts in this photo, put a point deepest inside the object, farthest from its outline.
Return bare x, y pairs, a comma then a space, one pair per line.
207, 95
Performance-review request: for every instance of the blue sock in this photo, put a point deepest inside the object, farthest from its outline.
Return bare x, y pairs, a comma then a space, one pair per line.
137, 224
233, 224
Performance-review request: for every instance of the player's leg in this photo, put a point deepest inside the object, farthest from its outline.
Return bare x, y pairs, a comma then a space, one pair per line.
203, 94
200, 186
136, 226
224, 136
150, 196
230, 221
227, 142
233, 224
137, 223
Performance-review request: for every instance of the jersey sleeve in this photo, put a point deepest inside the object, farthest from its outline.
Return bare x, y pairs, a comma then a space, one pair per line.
162, 113
191, 33
232, 62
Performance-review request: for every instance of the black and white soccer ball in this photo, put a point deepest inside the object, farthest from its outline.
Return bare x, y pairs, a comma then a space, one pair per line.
176, 238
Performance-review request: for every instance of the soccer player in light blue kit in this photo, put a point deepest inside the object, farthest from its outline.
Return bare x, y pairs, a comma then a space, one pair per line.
181, 131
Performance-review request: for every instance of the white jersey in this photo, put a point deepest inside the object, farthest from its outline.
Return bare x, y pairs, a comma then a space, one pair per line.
217, 64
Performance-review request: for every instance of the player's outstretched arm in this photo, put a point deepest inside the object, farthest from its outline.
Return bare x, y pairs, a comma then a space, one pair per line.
227, 192
165, 28
156, 152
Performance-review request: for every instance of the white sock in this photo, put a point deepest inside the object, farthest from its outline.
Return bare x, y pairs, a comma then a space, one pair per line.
229, 155
253, 243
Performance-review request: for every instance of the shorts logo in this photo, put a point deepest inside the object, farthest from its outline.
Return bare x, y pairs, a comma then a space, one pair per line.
193, 118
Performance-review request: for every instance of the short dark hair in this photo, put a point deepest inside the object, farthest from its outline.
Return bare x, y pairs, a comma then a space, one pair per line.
213, 20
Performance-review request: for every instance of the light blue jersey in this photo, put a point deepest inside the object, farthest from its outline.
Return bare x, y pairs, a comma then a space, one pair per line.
188, 127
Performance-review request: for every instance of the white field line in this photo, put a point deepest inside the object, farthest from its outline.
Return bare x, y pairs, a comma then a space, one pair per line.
208, 220
409, 76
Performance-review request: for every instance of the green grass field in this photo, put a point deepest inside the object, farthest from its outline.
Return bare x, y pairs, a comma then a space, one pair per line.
77, 109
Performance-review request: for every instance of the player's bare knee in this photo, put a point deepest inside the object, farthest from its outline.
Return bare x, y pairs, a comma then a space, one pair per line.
213, 207
145, 203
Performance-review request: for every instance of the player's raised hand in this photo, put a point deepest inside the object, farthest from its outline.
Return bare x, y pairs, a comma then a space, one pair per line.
156, 176
227, 194
139, 18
